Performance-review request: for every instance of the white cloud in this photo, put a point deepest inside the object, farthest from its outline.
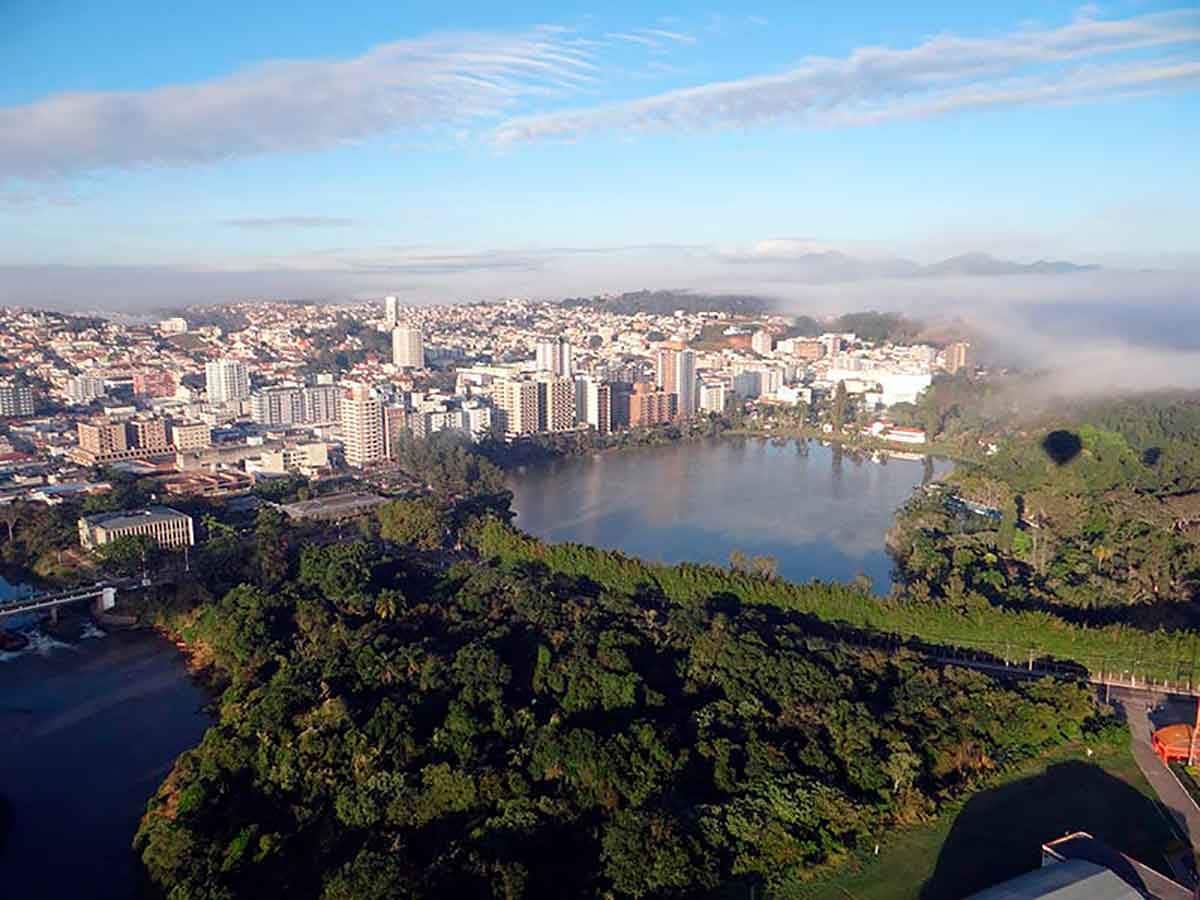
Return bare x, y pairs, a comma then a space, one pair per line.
287, 106
1086, 59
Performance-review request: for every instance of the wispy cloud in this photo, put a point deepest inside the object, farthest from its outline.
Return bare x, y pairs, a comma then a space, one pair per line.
289, 106
290, 222
1087, 59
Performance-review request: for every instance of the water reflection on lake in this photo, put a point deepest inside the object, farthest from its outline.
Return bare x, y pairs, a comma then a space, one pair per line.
820, 513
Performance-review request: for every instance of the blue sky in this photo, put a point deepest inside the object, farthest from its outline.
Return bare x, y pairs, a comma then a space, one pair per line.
477, 149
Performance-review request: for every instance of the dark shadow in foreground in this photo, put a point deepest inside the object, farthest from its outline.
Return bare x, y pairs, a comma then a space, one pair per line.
1000, 832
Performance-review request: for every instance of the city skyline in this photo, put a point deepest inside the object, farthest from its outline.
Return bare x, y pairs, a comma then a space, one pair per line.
536, 151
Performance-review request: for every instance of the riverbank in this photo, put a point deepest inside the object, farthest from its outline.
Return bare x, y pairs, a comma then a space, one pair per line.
858, 443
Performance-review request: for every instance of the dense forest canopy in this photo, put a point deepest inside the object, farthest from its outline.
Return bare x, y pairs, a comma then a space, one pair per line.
498, 729
1097, 505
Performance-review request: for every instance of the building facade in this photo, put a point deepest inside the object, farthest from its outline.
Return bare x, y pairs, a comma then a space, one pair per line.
554, 355
16, 400
169, 527
650, 406
408, 348
226, 381
516, 404
187, 436
362, 426
675, 373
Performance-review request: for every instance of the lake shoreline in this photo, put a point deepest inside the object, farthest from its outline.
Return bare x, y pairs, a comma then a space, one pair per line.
820, 513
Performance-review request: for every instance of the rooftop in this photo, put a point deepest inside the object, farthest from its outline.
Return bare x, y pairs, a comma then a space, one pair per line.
128, 518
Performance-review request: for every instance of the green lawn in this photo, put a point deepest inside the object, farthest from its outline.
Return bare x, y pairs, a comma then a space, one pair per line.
997, 833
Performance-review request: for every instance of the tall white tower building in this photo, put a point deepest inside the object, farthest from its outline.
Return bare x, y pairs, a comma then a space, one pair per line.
361, 416
226, 380
408, 348
391, 311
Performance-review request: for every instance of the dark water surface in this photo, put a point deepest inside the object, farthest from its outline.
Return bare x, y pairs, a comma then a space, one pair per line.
820, 513
87, 733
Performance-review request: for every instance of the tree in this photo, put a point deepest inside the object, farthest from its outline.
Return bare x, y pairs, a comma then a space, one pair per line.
129, 554
839, 407
422, 522
270, 547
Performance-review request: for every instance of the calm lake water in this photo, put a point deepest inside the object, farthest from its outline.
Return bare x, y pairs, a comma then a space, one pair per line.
820, 513
88, 730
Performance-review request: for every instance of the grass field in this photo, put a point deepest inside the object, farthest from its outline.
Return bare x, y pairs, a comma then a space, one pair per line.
997, 833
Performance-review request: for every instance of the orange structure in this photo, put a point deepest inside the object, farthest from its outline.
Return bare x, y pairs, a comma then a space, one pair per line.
1173, 743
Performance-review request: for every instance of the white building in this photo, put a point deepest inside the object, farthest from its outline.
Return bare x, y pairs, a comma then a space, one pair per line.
516, 405
478, 419
226, 380
712, 397
762, 342
173, 325
408, 347
83, 389
362, 425
554, 355
391, 311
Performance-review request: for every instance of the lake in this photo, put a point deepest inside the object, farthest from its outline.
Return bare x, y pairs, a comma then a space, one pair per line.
821, 513
88, 730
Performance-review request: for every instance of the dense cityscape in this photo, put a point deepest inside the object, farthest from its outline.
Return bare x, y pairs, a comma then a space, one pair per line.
549, 451
209, 409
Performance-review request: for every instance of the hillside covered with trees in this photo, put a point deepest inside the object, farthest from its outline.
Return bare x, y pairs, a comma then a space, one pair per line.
1094, 507
396, 724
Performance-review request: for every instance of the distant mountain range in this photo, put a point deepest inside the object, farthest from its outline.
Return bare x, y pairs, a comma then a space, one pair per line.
833, 266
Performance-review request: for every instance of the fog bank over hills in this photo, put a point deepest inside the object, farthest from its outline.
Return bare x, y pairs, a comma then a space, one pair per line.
1102, 328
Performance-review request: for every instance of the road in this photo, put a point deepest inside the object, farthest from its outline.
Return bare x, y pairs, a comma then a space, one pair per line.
1145, 714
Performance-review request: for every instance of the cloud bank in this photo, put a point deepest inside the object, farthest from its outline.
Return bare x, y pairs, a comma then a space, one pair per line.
292, 106
1085, 60
515, 88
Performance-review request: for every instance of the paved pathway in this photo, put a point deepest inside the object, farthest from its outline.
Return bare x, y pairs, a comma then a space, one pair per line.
1171, 795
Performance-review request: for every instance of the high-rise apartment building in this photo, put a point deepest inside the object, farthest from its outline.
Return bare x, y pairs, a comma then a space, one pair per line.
277, 406
554, 355
15, 399
101, 439
958, 357
712, 397
649, 405
395, 426
593, 403
83, 389
286, 405
675, 373
362, 425
408, 347
321, 404
187, 436
148, 434
226, 381
516, 404
762, 342
391, 311
556, 403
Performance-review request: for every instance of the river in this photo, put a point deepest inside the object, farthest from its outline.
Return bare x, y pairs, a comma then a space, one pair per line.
820, 513
88, 730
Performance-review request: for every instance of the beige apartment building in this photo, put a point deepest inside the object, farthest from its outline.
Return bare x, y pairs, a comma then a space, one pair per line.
187, 436
362, 426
